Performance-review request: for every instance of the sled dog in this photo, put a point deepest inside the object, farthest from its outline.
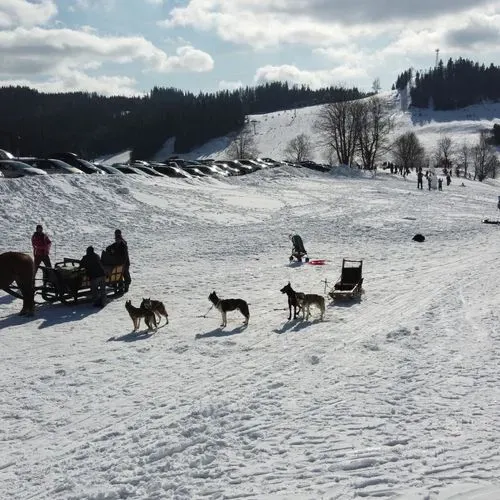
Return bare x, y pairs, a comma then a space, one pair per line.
293, 300
136, 313
309, 299
226, 305
157, 307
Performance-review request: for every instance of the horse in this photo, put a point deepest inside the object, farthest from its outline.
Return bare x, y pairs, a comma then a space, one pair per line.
19, 267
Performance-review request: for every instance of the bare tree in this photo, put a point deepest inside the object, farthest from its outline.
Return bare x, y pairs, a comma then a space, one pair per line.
299, 148
376, 85
374, 127
408, 152
484, 158
337, 125
243, 146
464, 156
444, 151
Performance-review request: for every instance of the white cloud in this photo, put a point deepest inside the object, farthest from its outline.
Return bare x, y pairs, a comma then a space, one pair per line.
106, 5
189, 59
317, 22
38, 50
23, 13
229, 85
74, 81
315, 79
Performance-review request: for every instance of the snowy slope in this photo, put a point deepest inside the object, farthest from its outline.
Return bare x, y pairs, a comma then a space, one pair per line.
392, 397
273, 131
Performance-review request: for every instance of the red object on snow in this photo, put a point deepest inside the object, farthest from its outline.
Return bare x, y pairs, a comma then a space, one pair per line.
317, 262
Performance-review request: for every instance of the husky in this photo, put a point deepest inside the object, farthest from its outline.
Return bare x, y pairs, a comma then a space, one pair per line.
225, 305
136, 313
157, 307
293, 300
307, 300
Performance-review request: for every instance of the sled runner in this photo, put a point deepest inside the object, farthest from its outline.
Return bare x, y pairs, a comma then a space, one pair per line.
67, 284
349, 285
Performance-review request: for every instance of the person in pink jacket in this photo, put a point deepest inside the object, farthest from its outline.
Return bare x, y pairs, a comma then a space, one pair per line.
41, 248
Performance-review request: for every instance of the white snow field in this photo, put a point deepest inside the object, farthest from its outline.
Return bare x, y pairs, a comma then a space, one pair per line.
393, 396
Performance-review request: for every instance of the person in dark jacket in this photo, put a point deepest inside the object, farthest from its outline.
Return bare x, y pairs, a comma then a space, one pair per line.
91, 262
420, 178
118, 253
41, 247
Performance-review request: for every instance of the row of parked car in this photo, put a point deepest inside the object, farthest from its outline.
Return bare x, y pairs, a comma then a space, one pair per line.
70, 163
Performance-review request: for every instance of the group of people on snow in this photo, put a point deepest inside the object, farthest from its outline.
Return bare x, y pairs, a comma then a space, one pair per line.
428, 175
96, 267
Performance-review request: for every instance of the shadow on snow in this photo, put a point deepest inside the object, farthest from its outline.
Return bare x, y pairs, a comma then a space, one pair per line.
132, 336
50, 315
295, 325
220, 332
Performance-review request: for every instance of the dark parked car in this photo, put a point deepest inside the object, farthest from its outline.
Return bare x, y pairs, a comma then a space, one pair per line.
171, 171
75, 161
128, 169
314, 166
108, 169
52, 166
14, 168
147, 170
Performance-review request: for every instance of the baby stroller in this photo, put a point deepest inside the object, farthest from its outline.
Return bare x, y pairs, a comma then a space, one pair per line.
298, 250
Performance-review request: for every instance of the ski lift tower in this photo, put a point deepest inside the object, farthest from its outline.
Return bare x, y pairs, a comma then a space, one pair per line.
437, 58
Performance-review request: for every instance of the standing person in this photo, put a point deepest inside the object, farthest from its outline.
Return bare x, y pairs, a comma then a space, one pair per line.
41, 248
420, 179
440, 184
119, 253
429, 181
91, 262
448, 179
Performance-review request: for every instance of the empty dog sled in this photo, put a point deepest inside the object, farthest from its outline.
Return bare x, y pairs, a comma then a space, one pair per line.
349, 285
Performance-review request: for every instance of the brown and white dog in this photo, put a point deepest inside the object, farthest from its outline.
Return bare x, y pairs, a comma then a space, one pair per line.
137, 313
157, 307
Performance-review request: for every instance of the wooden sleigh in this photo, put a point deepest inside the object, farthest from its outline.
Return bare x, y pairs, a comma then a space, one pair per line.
67, 284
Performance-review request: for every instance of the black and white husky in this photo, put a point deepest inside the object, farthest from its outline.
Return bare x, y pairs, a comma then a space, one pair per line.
226, 305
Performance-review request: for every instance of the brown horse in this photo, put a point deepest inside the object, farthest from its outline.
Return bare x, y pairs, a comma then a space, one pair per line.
19, 267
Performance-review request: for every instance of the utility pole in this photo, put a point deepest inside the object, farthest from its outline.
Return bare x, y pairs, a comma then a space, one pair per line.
437, 58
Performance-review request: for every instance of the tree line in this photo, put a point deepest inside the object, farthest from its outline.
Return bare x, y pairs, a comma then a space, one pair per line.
91, 125
457, 84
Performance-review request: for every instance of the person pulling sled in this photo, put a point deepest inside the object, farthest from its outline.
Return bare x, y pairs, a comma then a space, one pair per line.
298, 250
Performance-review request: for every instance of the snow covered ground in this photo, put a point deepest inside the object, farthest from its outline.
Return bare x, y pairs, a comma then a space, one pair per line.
394, 396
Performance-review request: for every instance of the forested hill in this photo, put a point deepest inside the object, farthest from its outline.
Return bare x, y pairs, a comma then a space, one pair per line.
34, 123
459, 84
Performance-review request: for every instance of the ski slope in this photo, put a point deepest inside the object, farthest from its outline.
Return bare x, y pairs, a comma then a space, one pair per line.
395, 396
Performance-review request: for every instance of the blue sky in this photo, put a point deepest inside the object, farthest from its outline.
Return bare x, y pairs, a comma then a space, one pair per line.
127, 47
